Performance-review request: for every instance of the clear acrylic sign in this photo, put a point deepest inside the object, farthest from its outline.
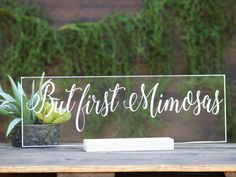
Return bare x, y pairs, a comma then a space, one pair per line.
187, 108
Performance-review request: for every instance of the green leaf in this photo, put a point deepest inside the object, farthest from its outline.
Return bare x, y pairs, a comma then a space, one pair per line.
16, 93
11, 107
32, 96
3, 111
32, 91
41, 81
20, 89
62, 119
4, 102
12, 125
40, 85
6, 96
26, 112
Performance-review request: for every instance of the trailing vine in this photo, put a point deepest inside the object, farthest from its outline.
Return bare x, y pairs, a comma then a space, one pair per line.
111, 46
25, 39
205, 27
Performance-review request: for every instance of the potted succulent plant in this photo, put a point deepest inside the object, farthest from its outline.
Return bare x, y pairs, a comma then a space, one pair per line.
40, 127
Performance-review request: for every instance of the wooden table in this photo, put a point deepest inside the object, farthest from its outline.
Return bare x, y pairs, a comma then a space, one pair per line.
73, 161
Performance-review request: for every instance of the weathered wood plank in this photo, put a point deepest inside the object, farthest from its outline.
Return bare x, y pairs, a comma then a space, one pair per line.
185, 158
28, 175
171, 174
230, 174
86, 175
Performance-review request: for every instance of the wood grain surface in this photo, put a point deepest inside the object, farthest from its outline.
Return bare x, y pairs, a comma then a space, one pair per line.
67, 11
85, 175
185, 158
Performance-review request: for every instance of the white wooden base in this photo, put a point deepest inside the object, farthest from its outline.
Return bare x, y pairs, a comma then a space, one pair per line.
128, 144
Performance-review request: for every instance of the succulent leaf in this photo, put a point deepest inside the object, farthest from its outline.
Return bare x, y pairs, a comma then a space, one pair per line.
20, 89
12, 125
41, 81
31, 101
39, 115
65, 117
48, 116
16, 106
6, 96
3, 111
15, 90
26, 112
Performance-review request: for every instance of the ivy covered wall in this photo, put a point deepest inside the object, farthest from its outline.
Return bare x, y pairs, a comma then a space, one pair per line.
109, 45
29, 45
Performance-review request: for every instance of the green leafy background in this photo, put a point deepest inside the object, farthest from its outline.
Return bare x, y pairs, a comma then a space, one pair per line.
201, 29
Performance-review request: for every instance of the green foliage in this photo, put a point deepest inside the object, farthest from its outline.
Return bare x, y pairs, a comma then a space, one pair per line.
25, 39
99, 49
156, 26
34, 54
11, 106
111, 46
205, 27
22, 9
18, 105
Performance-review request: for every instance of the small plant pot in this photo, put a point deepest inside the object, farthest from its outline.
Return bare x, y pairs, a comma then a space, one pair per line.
36, 135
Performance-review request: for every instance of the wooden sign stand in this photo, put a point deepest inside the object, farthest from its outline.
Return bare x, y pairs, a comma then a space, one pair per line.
128, 144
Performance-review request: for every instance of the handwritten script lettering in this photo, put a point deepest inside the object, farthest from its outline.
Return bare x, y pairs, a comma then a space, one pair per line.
147, 99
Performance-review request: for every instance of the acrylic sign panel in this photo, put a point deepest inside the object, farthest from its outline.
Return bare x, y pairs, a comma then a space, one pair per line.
186, 108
